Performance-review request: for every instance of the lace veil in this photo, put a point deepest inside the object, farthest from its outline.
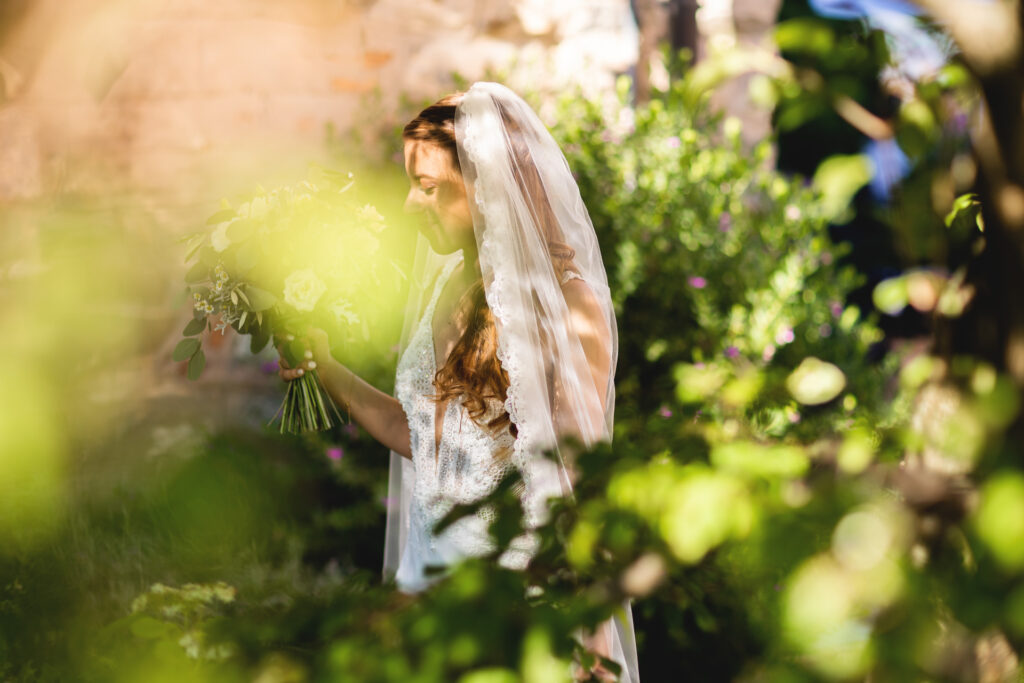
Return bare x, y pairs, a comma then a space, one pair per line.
526, 207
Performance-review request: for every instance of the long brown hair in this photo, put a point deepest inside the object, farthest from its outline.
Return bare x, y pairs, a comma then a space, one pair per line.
472, 368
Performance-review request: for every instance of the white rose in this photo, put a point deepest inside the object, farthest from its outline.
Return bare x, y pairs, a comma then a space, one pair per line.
369, 215
219, 237
302, 289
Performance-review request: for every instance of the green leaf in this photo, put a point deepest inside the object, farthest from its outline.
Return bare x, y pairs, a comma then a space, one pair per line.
196, 365
815, 381
965, 214
221, 216
209, 256
197, 273
195, 326
839, 178
890, 295
150, 628
749, 458
260, 299
247, 256
186, 348
193, 246
805, 35
258, 341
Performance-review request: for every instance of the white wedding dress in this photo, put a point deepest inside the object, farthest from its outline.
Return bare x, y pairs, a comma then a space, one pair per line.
463, 471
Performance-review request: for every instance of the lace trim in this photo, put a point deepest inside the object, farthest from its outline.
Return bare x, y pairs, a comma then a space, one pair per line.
478, 143
569, 275
475, 147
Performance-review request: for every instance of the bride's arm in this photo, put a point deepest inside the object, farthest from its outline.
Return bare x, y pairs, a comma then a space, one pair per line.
378, 413
588, 323
590, 326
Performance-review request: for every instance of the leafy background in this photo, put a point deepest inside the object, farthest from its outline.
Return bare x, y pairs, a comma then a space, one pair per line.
814, 474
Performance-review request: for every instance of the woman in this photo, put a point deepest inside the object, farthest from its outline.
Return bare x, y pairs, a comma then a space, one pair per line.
510, 341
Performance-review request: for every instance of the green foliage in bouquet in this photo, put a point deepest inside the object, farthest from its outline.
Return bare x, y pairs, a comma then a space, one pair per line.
285, 260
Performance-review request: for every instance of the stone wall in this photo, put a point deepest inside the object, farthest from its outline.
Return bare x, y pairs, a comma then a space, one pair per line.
188, 100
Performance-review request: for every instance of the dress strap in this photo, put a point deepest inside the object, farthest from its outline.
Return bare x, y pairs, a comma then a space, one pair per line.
568, 275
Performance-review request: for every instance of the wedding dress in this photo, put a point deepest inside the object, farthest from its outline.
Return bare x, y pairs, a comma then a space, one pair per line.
463, 469
524, 202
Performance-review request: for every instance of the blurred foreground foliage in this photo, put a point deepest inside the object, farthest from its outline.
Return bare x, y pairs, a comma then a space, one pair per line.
786, 497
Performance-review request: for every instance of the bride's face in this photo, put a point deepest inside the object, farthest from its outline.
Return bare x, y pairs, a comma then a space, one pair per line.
438, 194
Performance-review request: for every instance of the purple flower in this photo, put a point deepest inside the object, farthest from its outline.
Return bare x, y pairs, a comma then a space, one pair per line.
794, 417
270, 367
769, 353
959, 123
352, 430
731, 352
673, 142
784, 336
697, 282
725, 221
665, 412
836, 308
825, 330
335, 453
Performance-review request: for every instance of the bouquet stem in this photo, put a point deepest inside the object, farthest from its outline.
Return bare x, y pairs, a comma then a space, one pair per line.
307, 406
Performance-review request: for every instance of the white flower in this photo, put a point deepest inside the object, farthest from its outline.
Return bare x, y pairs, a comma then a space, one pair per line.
302, 289
342, 310
219, 237
369, 215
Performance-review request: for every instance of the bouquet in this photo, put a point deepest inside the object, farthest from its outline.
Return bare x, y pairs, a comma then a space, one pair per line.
274, 266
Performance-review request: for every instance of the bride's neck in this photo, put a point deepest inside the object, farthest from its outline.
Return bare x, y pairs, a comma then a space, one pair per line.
469, 269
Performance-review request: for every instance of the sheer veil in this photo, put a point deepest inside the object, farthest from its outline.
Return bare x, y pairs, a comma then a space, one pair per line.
526, 208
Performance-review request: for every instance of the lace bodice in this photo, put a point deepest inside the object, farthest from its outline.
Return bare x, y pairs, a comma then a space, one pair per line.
463, 470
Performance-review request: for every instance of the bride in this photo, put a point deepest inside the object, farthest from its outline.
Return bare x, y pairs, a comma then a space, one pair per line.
509, 342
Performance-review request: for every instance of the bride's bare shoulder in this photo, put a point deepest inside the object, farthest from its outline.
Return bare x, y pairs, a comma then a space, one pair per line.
585, 309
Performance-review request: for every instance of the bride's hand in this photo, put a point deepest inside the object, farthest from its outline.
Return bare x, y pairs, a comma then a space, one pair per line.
317, 352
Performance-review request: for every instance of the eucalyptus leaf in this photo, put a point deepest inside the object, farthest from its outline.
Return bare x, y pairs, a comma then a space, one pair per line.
195, 326
221, 216
186, 348
260, 299
196, 365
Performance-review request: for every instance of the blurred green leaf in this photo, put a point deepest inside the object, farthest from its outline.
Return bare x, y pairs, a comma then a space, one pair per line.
839, 178
196, 364
815, 381
185, 349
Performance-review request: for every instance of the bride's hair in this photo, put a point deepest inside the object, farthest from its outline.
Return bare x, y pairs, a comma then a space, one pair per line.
472, 368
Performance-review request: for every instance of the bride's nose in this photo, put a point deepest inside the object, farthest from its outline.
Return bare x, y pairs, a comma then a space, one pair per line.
412, 203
